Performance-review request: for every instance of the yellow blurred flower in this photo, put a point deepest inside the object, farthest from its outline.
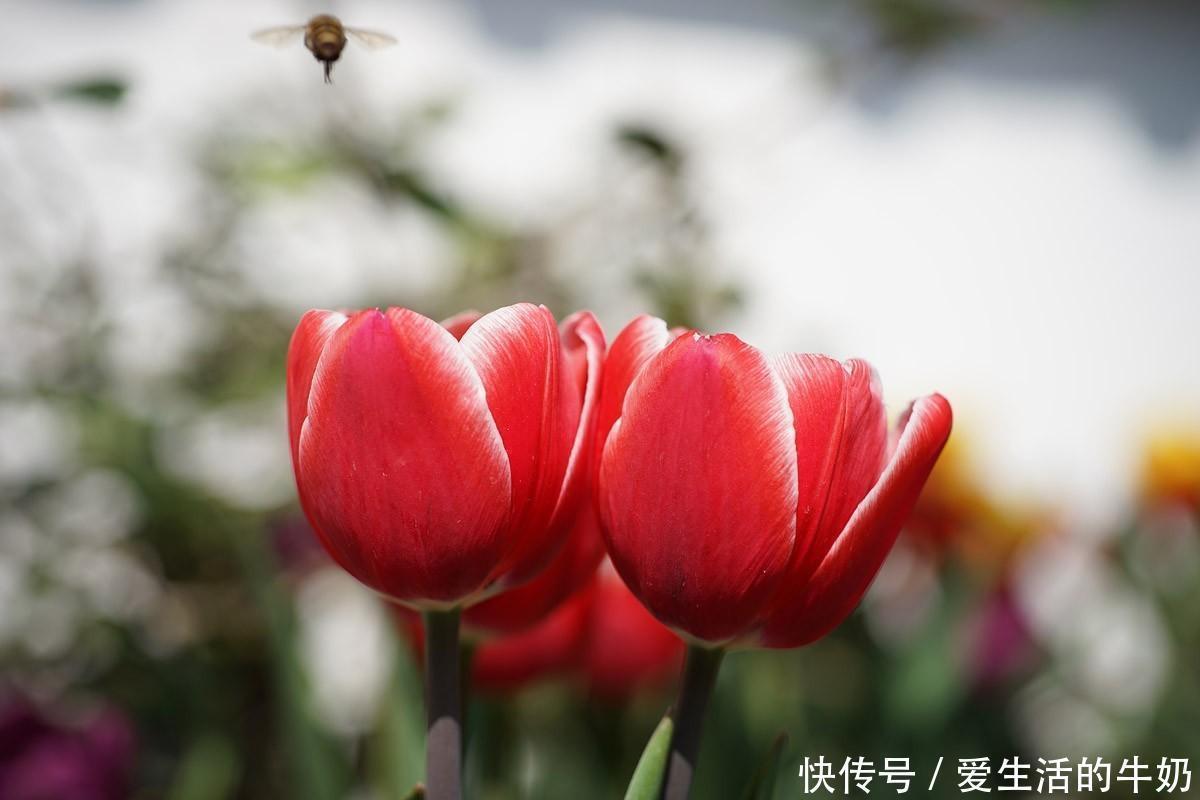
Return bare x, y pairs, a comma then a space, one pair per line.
956, 516
1171, 467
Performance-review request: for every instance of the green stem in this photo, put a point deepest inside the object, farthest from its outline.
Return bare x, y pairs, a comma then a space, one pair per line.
443, 706
699, 679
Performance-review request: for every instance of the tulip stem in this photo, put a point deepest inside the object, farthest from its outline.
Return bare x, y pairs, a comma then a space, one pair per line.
699, 679
443, 706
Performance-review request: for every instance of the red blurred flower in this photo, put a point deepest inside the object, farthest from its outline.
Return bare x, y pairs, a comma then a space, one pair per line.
626, 649
601, 635
518, 609
508, 662
535, 630
432, 467
548, 649
746, 496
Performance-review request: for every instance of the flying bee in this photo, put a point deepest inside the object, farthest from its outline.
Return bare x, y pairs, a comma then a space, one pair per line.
325, 37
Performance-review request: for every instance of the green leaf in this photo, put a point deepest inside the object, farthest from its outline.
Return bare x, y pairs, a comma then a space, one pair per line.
103, 90
762, 785
318, 770
652, 144
647, 779
208, 770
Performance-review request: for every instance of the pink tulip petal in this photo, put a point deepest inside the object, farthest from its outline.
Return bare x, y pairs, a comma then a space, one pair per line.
401, 466
847, 570
519, 357
460, 322
698, 486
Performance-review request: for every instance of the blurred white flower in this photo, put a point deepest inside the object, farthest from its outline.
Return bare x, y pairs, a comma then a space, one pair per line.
30, 349
20, 541
99, 506
39, 442
1053, 720
1166, 550
902, 595
110, 583
51, 623
1108, 639
347, 647
12, 594
156, 335
334, 243
238, 452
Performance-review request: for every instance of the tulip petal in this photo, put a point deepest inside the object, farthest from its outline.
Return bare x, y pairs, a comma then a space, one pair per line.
583, 341
529, 603
460, 322
816, 388
841, 442
842, 578
583, 347
698, 486
863, 448
519, 357
315, 330
401, 466
638, 342
308, 343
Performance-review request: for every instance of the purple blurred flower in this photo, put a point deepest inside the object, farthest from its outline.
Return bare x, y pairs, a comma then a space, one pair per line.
1003, 641
43, 758
297, 549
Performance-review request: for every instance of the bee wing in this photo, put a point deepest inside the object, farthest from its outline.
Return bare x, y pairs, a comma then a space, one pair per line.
280, 35
373, 40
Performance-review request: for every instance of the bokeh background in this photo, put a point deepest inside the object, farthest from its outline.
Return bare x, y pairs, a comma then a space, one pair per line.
996, 199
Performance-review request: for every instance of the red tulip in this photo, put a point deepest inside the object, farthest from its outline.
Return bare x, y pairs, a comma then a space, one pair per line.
746, 498
433, 468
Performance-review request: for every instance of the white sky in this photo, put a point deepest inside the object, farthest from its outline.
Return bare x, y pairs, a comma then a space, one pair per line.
1023, 248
